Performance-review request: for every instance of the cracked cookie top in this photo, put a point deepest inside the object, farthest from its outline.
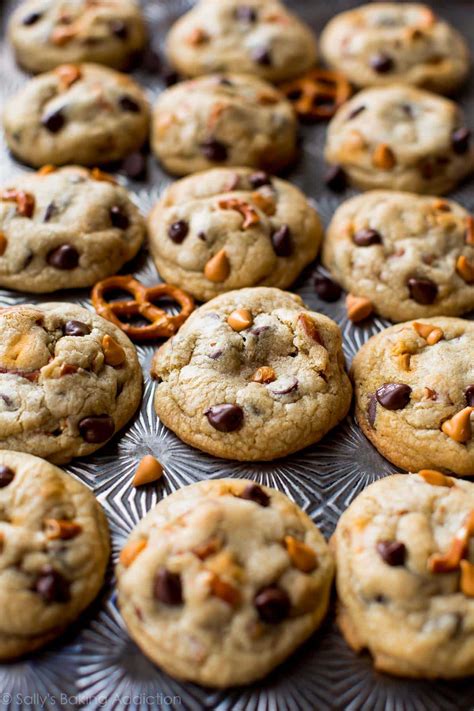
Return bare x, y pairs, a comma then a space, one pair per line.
64, 229
78, 113
68, 380
414, 387
230, 228
223, 554
45, 35
401, 138
252, 375
405, 566
54, 551
412, 256
231, 119
387, 42
250, 36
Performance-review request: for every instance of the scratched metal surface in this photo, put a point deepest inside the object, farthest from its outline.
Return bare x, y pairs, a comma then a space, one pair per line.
95, 665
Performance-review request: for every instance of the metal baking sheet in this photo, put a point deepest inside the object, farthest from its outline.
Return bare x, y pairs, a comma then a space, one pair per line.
95, 665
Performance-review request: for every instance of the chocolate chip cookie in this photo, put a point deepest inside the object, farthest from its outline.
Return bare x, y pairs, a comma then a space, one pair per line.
411, 255
85, 114
229, 228
405, 574
250, 36
387, 42
414, 388
55, 548
252, 375
65, 228
226, 120
45, 35
401, 138
68, 380
223, 554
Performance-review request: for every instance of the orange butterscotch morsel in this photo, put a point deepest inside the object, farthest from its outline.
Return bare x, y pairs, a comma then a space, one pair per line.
265, 202
68, 74
207, 548
302, 556
197, 36
383, 157
131, 551
25, 202
458, 427
225, 591
465, 269
113, 353
47, 169
264, 375
3, 243
358, 307
249, 213
217, 268
467, 578
148, 471
240, 319
469, 237
61, 529
435, 478
100, 175
449, 561
310, 328
431, 334
63, 34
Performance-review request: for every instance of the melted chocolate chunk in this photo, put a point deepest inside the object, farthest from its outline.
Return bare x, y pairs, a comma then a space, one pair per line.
326, 288
372, 410
336, 179
96, 429
262, 56
245, 13
53, 121
119, 29
423, 291
135, 166
355, 112
31, 19
259, 179
460, 140
225, 417
167, 587
76, 328
281, 241
6, 476
367, 237
469, 395
119, 217
392, 552
52, 586
393, 396
291, 384
381, 63
128, 104
63, 257
273, 605
178, 231
255, 493
214, 150
49, 212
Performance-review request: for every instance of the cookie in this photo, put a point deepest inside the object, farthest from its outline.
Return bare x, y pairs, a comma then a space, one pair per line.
223, 580
85, 114
226, 120
68, 380
65, 228
414, 388
230, 228
389, 42
401, 138
252, 375
411, 255
405, 581
251, 36
55, 548
45, 35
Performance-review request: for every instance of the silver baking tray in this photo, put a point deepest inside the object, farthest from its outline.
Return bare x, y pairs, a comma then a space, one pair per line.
95, 665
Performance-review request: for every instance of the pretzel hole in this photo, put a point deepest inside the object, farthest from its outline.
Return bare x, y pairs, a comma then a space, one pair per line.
117, 294
295, 94
324, 100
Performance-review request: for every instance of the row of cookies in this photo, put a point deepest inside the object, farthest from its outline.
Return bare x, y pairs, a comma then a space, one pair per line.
232, 554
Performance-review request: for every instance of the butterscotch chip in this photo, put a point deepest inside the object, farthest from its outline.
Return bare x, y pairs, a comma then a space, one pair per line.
148, 471
3, 243
98, 174
302, 556
225, 591
131, 551
470, 230
465, 269
247, 211
217, 268
436, 478
59, 528
431, 334
383, 157
47, 169
114, 354
240, 319
265, 374
467, 578
210, 547
358, 307
68, 74
458, 427
197, 36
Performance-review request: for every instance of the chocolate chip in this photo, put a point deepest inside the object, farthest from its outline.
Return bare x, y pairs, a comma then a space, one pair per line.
326, 288
372, 410
355, 112
253, 492
245, 13
392, 552
225, 417
54, 121
336, 179
223, 81
273, 604
214, 150
393, 396
119, 217
76, 328
51, 585
407, 109
262, 56
259, 179
381, 63
469, 395
119, 29
170, 76
423, 291
96, 429
284, 386
49, 212
178, 231
281, 241
460, 140
6, 476
128, 104
63, 257
151, 60
367, 237
31, 19
134, 166
167, 587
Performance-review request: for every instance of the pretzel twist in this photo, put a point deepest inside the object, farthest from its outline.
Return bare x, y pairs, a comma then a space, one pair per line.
317, 94
162, 324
